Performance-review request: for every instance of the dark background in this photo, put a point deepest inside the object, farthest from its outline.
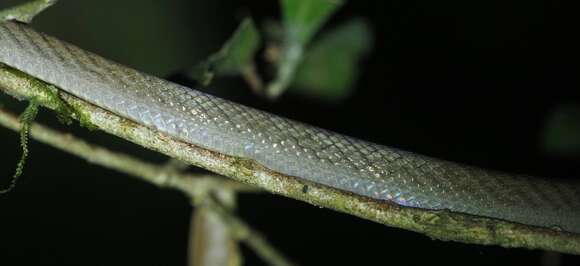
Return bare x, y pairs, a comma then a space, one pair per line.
468, 81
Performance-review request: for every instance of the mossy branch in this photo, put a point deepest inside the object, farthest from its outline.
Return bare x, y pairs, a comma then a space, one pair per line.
203, 190
441, 225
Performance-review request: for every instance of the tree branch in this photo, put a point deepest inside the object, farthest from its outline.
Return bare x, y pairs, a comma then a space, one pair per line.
442, 225
211, 241
197, 187
241, 231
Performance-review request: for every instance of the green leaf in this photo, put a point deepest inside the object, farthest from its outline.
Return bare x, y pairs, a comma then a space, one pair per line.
303, 18
25, 12
562, 131
235, 56
202, 73
238, 52
329, 68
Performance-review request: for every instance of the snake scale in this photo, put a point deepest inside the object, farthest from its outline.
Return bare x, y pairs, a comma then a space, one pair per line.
290, 147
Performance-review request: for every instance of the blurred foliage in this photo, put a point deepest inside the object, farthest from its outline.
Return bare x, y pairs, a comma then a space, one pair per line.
238, 52
303, 18
236, 55
562, 131
325, 70
329, 68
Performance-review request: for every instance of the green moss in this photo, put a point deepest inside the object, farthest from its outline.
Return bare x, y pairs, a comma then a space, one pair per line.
84, 119
63, 110
49, 95
26, 120
245, 166
127, 126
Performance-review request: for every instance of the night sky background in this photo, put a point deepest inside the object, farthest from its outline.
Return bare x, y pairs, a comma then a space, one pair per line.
475, 82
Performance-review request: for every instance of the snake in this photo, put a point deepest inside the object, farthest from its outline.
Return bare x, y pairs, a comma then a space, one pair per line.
290, 147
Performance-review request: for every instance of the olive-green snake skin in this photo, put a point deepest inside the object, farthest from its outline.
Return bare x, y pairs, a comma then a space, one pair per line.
289, 147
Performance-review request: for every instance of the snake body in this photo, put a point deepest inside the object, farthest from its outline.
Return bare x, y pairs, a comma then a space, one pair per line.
290, 147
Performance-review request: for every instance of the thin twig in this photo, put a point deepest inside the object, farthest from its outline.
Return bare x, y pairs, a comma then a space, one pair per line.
210, 241
291, 58
240, 230
253, 79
